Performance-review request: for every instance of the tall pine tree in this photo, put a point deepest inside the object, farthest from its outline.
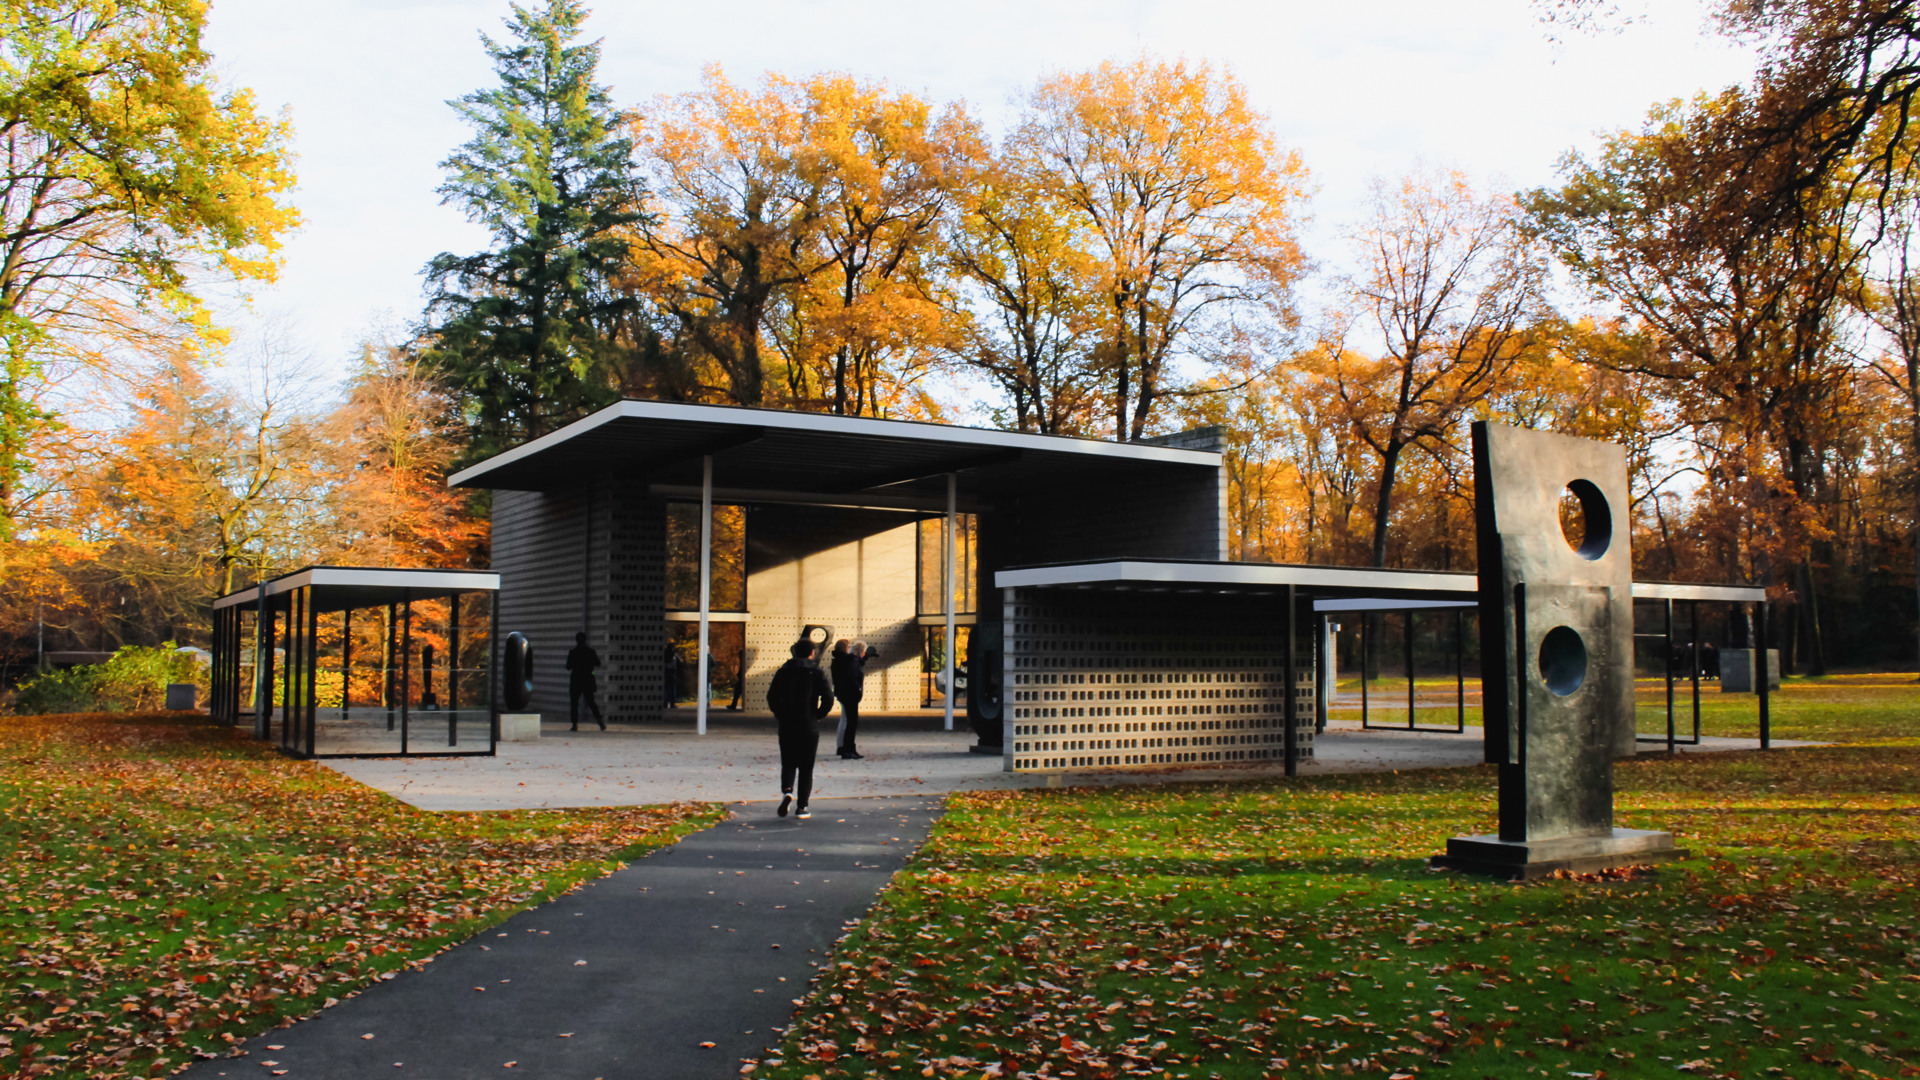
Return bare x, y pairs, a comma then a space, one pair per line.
525, 331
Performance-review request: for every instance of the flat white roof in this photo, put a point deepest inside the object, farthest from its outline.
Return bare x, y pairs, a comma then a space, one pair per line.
1148, 574
371, 578
762, 446
1379, 588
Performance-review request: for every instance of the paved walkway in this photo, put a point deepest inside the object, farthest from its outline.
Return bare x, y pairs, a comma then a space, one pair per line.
678, 966
906, 754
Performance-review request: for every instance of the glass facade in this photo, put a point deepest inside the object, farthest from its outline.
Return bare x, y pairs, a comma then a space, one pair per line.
359, 672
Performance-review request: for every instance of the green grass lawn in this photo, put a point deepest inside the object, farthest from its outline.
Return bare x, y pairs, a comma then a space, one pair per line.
1292, 928
1850, 708
171, 886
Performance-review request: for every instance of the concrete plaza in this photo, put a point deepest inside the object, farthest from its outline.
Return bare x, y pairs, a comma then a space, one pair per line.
906, 754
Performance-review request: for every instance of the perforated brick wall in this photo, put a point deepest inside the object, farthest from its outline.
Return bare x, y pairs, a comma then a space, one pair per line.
634, 634
1101, 680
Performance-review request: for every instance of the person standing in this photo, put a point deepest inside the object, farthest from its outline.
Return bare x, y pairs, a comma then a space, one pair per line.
799, 697
671, 691
849, 685
581, 662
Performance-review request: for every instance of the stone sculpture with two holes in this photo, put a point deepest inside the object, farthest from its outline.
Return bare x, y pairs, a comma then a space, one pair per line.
1556, 647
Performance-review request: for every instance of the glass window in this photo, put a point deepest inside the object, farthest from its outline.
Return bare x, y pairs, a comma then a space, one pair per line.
932, 570
729, 558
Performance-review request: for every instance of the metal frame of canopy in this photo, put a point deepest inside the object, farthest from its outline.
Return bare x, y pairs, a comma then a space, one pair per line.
1329, 589
284, 614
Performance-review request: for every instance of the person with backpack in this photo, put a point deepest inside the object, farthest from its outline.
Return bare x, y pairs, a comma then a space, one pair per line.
799, 696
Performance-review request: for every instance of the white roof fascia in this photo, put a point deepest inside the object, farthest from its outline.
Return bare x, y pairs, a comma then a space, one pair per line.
1383, 604
854, 426
443, 580
1667, 590
1228, 575
1231, 575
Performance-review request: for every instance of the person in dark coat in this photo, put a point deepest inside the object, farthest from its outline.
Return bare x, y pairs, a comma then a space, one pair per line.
671, 692
849, 667
799, 697
581, 660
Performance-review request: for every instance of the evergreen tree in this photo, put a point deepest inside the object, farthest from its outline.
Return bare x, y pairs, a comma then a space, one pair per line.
525, 332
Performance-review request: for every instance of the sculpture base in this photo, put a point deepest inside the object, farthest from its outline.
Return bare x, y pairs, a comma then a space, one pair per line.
982, 748
1526, 860
520, 727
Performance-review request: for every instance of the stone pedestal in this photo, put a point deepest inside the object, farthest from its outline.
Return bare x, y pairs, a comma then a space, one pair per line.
1736, 670
180, 697
1525, 860
520, 727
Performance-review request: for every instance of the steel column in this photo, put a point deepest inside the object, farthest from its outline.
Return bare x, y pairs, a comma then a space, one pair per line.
1763, 673
950, 578
1459, 670
406, 666
706, 589
1406, 624
1290, 698
1366, 661
1693, 621
453, 670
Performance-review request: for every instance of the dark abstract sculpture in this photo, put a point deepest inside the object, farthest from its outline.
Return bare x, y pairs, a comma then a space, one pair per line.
1556, 649
517, 677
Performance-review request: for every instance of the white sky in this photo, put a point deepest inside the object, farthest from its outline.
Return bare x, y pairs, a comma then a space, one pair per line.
1363, 88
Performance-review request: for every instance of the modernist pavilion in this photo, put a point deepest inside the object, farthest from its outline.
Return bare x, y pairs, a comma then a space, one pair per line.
1081, 588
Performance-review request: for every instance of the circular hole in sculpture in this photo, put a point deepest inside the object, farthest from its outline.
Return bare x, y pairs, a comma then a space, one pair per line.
1563, 660
1585, 520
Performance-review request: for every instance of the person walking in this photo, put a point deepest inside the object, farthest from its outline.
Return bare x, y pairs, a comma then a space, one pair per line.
799, 697
581, 661
849, 666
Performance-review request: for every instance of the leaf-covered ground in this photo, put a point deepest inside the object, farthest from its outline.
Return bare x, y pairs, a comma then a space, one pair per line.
171, 886
1243, 930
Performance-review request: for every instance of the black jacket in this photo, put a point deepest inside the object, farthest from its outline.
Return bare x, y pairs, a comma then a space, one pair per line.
800, 695
849, 676
581, 660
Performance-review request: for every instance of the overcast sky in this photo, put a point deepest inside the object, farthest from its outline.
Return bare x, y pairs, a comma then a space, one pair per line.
1361, 88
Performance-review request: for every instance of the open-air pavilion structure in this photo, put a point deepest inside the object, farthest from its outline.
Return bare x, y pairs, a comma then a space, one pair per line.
343, 661
1078, 589
1222, 641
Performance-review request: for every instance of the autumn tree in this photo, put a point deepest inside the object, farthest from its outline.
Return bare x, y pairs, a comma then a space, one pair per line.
735, 211
1747, 309
130, 178
392, 442
1893, 303
1184, 200
1029, 302
890, 166
527, 331
1449, 286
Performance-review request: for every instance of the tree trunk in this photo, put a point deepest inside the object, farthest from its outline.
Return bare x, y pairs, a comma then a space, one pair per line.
1816, 646
1382, 506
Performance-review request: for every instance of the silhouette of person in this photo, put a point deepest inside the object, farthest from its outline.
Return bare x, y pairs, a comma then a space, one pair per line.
739, 682
581, 660
673, 677
799, 697
849, 668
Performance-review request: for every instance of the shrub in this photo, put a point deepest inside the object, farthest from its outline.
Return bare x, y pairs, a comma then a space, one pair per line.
134, 679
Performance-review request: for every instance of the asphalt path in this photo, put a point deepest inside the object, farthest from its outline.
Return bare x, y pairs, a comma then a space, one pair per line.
680, 965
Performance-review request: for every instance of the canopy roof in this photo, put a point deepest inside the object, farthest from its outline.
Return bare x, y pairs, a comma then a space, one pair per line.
770, 452
1351, 588
337, 588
